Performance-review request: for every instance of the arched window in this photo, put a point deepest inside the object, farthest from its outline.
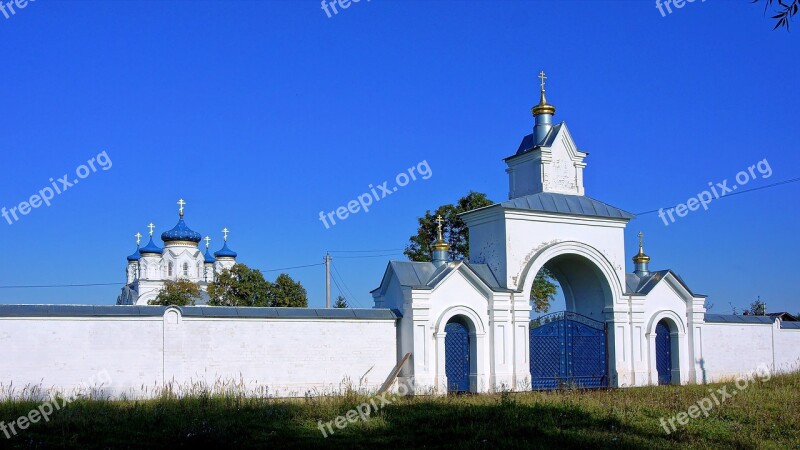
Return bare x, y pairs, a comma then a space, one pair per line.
169, 269
186, 269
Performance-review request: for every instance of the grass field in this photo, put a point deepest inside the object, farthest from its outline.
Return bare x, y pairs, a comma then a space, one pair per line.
766, 414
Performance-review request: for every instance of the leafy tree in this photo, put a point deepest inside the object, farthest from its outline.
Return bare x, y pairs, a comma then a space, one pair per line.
239, 286
287, 292
456, 234
784, 13
178, 293
453, 228
340, 302
757, 308
543, 290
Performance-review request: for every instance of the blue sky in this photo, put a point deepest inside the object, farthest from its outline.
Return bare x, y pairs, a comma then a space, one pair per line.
261, 114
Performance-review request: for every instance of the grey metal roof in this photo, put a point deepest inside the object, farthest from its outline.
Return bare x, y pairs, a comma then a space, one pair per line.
566, 204
425, 275
643, 285
196, 311
527, 143
732, 318
790, 325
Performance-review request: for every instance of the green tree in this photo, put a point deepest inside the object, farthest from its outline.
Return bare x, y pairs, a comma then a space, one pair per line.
543, 290
177, 293
340, 302
785, 11
757, 308
287, 292
239, 286
456, 234
453, 228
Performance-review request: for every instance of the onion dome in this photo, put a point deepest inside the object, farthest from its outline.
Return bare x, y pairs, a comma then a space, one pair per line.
181, 233
543, 112
440, 247
150, 249
641, 261
208, 258
135, 256
225, 252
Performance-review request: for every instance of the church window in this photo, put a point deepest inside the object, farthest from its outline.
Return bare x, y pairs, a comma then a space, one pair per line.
186, 269
169, 269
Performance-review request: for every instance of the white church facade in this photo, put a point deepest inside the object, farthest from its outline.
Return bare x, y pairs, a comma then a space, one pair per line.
149, 267
440, 326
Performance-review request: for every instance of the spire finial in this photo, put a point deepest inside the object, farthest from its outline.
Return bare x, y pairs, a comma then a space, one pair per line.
640, 261
181, 204
225, 232
542, 77
151, 227
543, 107
641, 238
208, 241
439, 222
138, 237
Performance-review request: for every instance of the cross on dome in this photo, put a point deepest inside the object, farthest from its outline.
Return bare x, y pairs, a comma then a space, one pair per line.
152, 227
181, 204
542, 77
208, 241
225, 232
138, 237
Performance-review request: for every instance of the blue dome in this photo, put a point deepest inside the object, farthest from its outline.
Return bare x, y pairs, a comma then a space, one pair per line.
225, 252
181, 233
151, 247
135, 256
208, 258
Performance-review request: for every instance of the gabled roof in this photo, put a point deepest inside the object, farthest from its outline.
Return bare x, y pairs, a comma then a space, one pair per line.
635, 284
566, 204
527, 143
426, 276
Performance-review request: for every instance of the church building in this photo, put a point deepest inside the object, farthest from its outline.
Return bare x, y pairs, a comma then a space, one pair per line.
149, 267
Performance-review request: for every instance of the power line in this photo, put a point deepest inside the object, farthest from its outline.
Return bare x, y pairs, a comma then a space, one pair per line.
346, 286
295, 267
779, 183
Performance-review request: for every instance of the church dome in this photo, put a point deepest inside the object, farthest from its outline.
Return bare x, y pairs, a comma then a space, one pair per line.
150, 248
135, 256
181, 232
208, 258
225, 252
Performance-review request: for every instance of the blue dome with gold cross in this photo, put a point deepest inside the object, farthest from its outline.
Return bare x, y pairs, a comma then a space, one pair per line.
151, 248
181, 232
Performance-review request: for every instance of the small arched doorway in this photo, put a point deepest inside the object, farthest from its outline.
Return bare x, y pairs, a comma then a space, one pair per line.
664, 352
458, 360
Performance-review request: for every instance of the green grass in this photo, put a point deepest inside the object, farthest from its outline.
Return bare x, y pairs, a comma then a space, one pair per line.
764, 415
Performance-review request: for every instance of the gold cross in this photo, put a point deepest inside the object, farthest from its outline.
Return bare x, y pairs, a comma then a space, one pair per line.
439, 221
208, 240
152, 227
138, 237
641, 235
542, 77
181, 203
225, 232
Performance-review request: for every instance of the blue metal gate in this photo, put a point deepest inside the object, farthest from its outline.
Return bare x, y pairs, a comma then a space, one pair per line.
456, 353
568, 349
663, 353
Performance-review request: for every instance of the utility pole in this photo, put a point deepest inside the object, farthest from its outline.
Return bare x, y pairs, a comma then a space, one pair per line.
327, 280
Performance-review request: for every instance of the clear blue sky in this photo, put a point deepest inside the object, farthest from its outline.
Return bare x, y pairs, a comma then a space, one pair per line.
263, 113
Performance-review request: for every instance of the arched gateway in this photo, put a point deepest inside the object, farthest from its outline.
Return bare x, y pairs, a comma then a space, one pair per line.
605, 336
